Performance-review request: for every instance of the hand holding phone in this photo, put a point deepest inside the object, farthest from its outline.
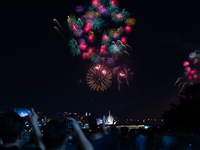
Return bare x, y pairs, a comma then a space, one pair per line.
22, 112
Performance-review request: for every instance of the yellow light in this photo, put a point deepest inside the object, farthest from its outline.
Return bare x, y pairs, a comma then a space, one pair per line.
130, 21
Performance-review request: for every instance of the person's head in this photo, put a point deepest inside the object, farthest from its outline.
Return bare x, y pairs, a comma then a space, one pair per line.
93, 125
11, 128
124, 131
55, 135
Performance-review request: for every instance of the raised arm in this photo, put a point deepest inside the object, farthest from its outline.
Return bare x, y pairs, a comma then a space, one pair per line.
38, 135
85, 144
105, 132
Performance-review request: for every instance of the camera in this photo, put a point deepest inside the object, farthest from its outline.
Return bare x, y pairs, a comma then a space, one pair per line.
22, 112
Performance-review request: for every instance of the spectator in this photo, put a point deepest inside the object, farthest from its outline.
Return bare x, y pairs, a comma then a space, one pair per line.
31, 142
55, 137
140, 141
99, 137
125, 140
11, 130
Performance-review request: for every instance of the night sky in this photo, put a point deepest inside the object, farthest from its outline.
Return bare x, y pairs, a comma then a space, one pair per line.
37, 69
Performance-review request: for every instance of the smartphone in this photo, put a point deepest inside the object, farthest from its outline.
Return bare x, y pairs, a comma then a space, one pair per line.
99, 121
22, 112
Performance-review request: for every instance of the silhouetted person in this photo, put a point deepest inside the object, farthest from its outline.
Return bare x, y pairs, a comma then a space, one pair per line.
55, 135
99, 136
11, 130
140, 141
126, 142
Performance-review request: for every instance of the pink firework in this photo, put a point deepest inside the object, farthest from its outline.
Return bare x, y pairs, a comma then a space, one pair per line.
128, 29
88, 27
186, 63
91, 38
123, 40
73, 27
103, 49
98, 67
190, 78
105, 38
192, 72
90, 50
195, 76
120, 16
82, 47
104, 72
121, 74
84, 55
102, 10
95, 3
114, 3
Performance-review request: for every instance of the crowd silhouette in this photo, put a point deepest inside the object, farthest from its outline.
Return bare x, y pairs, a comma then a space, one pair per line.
56, 135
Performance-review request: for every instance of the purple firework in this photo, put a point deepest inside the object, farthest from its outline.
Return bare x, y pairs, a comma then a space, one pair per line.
79, 9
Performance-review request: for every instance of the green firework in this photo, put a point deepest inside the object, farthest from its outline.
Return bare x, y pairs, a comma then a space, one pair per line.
95, 58
97, 23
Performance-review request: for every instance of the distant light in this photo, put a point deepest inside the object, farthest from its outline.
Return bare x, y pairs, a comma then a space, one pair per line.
97, 67
190, 144
104, 72
146, 127
27, 125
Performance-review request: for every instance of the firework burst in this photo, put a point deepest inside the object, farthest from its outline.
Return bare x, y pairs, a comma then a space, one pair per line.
99, 77
191, 74
99, 34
